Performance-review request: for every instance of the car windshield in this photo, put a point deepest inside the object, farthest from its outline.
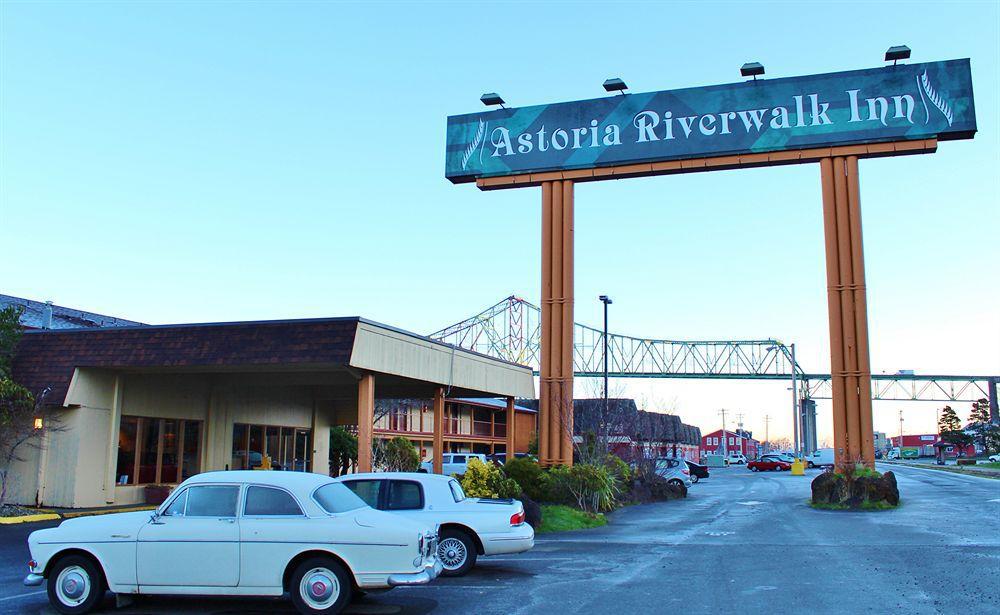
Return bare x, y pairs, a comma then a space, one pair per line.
336, 498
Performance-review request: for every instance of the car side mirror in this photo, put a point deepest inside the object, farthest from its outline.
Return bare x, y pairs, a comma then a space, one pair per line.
155, 518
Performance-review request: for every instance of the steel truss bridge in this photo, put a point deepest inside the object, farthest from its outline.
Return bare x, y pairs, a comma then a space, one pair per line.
511, 330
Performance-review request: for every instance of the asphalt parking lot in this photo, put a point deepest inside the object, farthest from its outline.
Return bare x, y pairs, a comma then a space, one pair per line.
741, 541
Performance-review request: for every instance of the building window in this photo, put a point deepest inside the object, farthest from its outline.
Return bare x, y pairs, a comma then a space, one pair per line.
152, 450
289, 448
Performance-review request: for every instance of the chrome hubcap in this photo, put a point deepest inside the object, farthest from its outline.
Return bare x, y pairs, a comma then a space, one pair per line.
73, 585
452, 553
319, 588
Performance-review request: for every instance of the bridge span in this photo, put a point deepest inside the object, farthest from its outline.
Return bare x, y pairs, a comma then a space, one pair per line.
511, 330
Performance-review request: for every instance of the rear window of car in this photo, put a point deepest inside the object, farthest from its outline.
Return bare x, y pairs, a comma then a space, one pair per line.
336, 498
456, 490
367, 490
458, 458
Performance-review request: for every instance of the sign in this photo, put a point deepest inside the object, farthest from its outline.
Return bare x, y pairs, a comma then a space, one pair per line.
892, 103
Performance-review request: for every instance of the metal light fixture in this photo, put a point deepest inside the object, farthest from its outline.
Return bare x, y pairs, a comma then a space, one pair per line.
615, 84
492, 98
896, 53
752, 69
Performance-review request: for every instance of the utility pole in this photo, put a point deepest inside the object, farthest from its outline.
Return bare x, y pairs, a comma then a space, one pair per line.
767, 436
725, 450
900, 435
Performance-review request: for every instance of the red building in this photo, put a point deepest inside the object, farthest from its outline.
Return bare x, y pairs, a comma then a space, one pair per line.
741, 441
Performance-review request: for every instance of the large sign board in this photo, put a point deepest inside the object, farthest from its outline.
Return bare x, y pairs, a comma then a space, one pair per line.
911, 101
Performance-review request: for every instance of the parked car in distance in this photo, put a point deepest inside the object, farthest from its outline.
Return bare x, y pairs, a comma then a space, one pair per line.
769, 463
697, 470
995, 458
237, 533
784, 456
468, 527
737, 459
501, 458
892, 454
674, 470
820, 458
452, 463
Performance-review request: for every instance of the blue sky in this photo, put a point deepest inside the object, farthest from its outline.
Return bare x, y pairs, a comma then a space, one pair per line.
177, 162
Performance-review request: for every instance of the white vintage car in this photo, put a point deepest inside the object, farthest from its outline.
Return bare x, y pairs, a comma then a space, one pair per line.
469, 527
239, 533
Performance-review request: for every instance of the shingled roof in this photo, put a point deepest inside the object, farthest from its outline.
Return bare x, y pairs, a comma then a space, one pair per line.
35, 315
48, 358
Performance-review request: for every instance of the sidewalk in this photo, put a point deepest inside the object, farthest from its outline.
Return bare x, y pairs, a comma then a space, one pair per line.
969, 470
51, 514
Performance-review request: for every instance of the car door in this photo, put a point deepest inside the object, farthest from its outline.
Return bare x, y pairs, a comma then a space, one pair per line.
457, 465
195, 543
404, 497
272, 530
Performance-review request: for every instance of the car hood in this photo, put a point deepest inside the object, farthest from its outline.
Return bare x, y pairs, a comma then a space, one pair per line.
111, 527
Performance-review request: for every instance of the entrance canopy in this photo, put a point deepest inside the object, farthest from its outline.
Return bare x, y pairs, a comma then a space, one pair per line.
331, 349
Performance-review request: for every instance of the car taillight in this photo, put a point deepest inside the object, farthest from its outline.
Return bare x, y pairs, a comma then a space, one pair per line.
517, 518
32, 564
686, 471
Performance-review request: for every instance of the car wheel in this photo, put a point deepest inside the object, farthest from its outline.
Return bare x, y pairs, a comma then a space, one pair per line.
753, 468
75, 585
811, 465
320, 585
694, 478
457, 552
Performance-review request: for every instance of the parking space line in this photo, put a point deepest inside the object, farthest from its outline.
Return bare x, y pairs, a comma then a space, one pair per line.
19, 596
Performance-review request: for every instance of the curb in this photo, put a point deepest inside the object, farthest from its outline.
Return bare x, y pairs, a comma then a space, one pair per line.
28, 518
49, 515
962, 470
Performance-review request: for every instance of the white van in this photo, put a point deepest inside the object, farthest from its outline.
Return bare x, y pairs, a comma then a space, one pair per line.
737, 459
820, 458
452, 463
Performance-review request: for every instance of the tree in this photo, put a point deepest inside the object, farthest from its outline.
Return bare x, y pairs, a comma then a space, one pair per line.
984, 432
24, 417
950, 427
399, 455
343, 451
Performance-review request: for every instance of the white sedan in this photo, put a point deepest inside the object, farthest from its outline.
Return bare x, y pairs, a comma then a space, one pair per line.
469, 527
239, 533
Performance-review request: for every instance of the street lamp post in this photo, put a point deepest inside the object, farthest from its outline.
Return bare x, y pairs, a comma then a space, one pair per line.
606, 300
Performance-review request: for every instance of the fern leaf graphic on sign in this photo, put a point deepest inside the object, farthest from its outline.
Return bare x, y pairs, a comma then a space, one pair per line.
935, 98
475, 144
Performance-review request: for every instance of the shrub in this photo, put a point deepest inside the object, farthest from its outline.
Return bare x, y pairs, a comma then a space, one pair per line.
618, 469
528, 474
532, 511
485, 480
400, 456
592, 487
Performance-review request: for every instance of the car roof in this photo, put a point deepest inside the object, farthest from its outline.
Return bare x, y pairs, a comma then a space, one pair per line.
288, 480
419, 476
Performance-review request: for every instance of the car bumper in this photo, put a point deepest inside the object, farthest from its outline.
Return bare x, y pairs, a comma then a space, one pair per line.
521, 538
33, 580
431, 571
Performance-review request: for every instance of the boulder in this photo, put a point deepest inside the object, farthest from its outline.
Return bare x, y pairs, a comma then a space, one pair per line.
839, 490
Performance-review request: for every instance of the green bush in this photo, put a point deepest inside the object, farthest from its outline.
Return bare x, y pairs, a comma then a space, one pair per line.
401, 456
485, 480
528, 474
592, 487
619, 470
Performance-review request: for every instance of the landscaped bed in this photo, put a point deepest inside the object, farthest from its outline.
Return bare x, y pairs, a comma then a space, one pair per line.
559, 518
